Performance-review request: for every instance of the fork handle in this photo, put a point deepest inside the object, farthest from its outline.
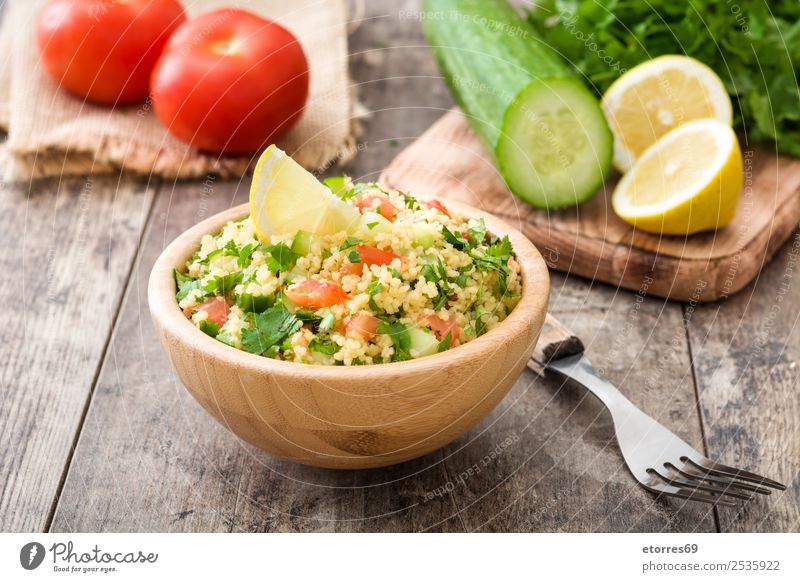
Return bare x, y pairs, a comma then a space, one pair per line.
556, 341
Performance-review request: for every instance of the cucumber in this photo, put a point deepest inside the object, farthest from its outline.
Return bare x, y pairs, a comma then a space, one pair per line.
372, 223
301, 244
422, 342
424, 235
545, 129
254, 303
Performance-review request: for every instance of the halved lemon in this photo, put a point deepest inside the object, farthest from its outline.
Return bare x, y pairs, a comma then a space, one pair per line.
656, 97
687, 182
285, 198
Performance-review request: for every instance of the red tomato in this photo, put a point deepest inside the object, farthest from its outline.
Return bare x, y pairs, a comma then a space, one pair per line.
217, 310
363, 324
230, 82
441, 328
385, 208
369, 256
316, 294
105, 51
438, 206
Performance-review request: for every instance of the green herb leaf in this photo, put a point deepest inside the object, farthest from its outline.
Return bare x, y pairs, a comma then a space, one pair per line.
400, 338
371, 225
327, 321
209, 327
281, 258
458, 242
373, 289
353, 257
244, 254
223, 285
323, 347
477, 234
270, 329
445, 343
350, 241
185, 284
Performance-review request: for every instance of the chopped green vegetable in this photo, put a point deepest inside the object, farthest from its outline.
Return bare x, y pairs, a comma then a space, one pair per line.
270, 329
327, 321
209, 327
350, 241
281, 258
224, 284
751, 44
185, 284
353, 257
445, 343
326, 347
400, 338
254, 303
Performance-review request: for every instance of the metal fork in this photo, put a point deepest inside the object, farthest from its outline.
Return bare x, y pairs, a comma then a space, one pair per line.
659, 460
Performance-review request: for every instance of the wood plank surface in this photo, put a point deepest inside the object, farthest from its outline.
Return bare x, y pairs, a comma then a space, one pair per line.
148, 458
747, 363
67, 252
592, 241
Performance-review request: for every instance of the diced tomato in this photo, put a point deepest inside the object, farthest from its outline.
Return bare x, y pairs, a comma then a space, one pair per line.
369, 256
435, 204
217, 309
374, 256
441, 327
385, 208
315, 294
363, 324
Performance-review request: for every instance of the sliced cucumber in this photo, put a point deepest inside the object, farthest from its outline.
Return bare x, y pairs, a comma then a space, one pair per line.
555, 149
304, 240
422, 342
424, 235
254, 303
372, 223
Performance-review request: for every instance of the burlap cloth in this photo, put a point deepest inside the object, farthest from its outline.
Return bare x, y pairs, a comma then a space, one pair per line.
53, 133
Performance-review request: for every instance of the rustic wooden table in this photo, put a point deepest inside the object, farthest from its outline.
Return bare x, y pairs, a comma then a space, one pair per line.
99, 435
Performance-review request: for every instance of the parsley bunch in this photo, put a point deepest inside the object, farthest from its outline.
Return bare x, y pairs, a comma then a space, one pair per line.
751, 44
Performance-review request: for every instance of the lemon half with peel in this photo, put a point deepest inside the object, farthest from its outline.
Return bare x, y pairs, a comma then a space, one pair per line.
656, 97
688, 181
285, 198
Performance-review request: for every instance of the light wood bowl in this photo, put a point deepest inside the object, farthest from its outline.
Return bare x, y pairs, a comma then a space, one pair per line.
349, 417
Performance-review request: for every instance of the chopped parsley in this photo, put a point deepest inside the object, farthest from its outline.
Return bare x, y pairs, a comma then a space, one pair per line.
281, 258
350, 241
400, 338
270, 329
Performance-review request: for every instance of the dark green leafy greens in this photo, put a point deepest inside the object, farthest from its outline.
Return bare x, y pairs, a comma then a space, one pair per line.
753, 45
400, 338
270, 329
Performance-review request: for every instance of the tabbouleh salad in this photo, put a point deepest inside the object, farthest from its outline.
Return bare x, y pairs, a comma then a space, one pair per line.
412, 279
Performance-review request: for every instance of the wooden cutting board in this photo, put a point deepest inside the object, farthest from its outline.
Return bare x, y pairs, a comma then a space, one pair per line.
449, 162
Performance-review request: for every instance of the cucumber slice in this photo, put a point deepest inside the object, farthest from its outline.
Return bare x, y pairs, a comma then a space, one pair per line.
301, 244
372, 223
422, 342
556, 148
424, 235
254, 303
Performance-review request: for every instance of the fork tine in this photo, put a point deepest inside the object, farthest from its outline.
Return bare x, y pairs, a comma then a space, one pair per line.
692, 495
708, 466
722, 482
701, 486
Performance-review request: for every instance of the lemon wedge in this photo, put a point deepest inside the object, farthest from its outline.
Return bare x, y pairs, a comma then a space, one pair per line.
285, 198
657, 96
688, 181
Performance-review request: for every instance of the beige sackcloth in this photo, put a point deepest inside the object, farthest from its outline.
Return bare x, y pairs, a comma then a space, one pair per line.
53, 133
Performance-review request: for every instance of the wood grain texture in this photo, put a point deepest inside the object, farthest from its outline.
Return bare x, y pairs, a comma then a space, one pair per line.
560, 469
591, 241
352, 417
67, 251
556, 341
150, 459
747, 359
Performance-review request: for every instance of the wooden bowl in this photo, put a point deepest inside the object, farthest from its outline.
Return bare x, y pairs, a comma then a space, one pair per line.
349, 417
